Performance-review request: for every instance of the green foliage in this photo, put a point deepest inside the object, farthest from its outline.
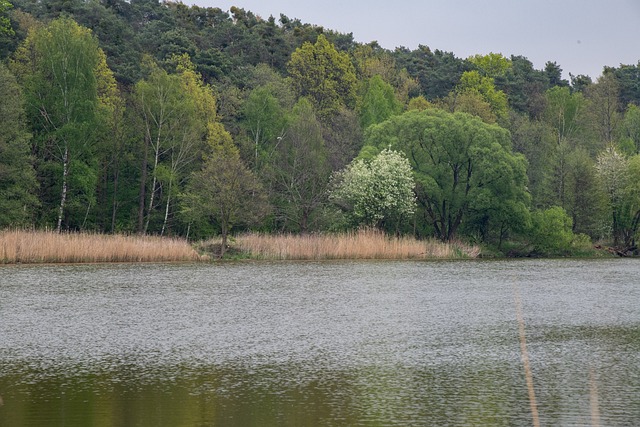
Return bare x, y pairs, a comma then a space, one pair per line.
614, 173
554, 74
627, 77
17, 177
551, 232
378, 192
631, 207
629, 131
463, 168
174, 43
323, 74
175, 116
81, 193
536, 141
586, 202
563, 113
470, 102
436, 72
472, 82
112, 150
264, 121
116, 37
602, 111
524, 86
492, 65
300, 171
371, 60
378, 102
5, 23
580, 82
418, 103
61, 60
343, 138
59, 67
224, 192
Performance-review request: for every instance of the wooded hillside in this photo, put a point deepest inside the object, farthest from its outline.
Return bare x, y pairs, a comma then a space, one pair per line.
160, 118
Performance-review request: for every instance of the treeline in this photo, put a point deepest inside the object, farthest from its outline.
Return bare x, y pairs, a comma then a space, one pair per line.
160, 118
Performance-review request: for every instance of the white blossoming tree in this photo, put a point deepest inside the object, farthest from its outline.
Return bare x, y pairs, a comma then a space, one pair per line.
378, 192
613, 170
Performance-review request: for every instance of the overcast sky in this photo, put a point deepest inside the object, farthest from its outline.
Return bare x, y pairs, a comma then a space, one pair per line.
582, 36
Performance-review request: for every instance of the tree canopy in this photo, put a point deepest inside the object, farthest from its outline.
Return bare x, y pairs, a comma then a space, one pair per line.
324, 74
464, 168
114, 108
377, 192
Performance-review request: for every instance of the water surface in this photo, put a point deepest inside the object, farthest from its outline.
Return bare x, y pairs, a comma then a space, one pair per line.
320, 343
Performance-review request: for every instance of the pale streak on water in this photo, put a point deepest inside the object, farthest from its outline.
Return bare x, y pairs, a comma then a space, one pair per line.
320, 343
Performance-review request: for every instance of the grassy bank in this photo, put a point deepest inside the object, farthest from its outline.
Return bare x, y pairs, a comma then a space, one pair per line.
363, 244
48, 247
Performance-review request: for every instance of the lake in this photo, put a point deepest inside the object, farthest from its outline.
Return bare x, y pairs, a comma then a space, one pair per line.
321, 344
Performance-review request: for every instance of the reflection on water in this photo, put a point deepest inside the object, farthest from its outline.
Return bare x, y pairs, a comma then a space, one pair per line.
327, 344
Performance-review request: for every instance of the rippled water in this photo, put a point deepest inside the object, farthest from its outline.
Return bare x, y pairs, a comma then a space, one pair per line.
320, 343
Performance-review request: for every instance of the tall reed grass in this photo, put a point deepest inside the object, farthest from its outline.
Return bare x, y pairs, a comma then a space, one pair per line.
18, 246
361, 244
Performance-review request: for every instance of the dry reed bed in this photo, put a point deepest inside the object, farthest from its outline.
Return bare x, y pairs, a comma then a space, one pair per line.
48, 247
362, 244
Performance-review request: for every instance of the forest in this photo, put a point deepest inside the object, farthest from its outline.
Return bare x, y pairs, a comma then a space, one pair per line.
165, 119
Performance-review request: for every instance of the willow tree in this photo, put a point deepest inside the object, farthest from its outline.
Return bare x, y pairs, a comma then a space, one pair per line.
465, 171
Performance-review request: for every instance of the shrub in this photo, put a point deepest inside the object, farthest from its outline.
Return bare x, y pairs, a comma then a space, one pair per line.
551, 232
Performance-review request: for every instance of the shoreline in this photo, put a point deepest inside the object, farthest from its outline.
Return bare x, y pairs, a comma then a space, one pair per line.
18, 247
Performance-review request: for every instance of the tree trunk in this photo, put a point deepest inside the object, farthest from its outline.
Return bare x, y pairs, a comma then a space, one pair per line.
153, 193
616, 239
634, 228
225, 225
143, 185
223, 246
156, 158
166, 210
304, 221
114, 204
63, 195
